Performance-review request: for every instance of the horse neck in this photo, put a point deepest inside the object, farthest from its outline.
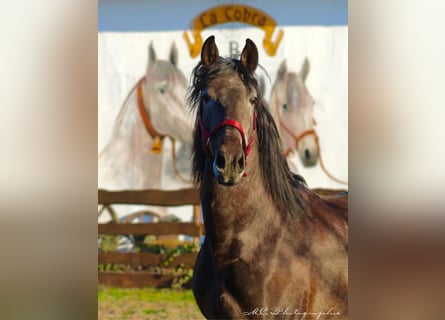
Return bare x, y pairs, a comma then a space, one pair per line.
243, 208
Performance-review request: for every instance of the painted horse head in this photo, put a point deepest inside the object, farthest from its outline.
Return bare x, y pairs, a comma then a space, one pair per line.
163, 94
292, 108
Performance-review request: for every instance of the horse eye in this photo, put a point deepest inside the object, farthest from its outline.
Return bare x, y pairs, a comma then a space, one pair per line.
253, 100
284, 106
161, 90
205, 97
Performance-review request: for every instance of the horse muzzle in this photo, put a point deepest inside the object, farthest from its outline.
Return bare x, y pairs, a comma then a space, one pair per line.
229, 162
308, 151
229, 155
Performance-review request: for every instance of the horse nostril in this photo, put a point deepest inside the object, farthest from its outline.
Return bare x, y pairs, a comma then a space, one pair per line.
307, 154
220, 161
241, 163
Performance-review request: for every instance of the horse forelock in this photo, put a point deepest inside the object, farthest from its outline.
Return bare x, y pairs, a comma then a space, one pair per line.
292, 86
282, 184
202, 76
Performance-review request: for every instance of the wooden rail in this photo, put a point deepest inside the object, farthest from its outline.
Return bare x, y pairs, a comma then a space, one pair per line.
145, 259
150, 197
157, 229
134, 279
141, 264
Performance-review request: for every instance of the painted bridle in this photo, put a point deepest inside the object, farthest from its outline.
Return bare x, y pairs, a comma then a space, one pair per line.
299, 137
158, 138
154, 134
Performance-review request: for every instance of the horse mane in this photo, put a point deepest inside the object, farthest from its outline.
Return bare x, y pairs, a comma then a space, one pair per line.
279, 181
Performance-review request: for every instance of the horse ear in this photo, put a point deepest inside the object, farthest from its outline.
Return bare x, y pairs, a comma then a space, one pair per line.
282, 69
249, 56
174, 55
151, 54
209, 52
304, 69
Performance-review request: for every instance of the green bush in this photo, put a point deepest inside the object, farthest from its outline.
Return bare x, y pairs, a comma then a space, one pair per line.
182, 273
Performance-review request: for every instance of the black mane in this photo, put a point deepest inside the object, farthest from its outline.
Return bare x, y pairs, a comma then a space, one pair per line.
279, 181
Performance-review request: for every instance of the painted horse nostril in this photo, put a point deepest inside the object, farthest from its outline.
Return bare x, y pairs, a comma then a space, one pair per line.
307, 154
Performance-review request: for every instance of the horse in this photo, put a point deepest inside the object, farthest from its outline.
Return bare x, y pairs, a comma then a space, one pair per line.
291, 105
154, 109
273, 248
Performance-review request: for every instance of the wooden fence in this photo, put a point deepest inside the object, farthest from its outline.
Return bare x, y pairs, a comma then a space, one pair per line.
146, 269
139, 266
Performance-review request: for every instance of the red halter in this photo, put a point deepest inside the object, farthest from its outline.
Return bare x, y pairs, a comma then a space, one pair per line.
231, 123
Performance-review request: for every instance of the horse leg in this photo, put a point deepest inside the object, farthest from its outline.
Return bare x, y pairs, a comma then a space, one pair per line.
228, 307
203, 282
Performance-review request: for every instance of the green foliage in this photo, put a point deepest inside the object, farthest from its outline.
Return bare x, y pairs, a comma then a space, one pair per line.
106, 244
182, 273
186, 276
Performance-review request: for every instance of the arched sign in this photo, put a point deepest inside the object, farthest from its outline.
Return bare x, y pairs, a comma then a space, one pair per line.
233, 13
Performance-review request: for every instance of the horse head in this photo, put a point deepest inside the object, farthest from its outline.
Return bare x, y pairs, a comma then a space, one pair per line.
225, 91
292, 108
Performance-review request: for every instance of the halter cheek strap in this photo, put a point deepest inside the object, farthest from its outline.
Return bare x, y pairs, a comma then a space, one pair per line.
156, 136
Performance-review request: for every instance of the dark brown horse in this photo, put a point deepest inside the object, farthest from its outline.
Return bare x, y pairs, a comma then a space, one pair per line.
273, 248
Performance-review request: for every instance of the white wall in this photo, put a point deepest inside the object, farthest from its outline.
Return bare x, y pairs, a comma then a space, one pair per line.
122, 59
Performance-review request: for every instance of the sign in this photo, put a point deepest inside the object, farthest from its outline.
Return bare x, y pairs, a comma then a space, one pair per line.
230, 13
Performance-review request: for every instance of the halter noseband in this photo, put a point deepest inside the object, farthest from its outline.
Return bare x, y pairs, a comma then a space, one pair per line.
297, 138
247, 146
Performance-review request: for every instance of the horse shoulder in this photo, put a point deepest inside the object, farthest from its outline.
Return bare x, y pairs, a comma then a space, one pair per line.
329, 250
331, 209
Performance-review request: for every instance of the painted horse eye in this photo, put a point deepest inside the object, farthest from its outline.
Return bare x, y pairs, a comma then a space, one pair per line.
284, 106
161, 90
